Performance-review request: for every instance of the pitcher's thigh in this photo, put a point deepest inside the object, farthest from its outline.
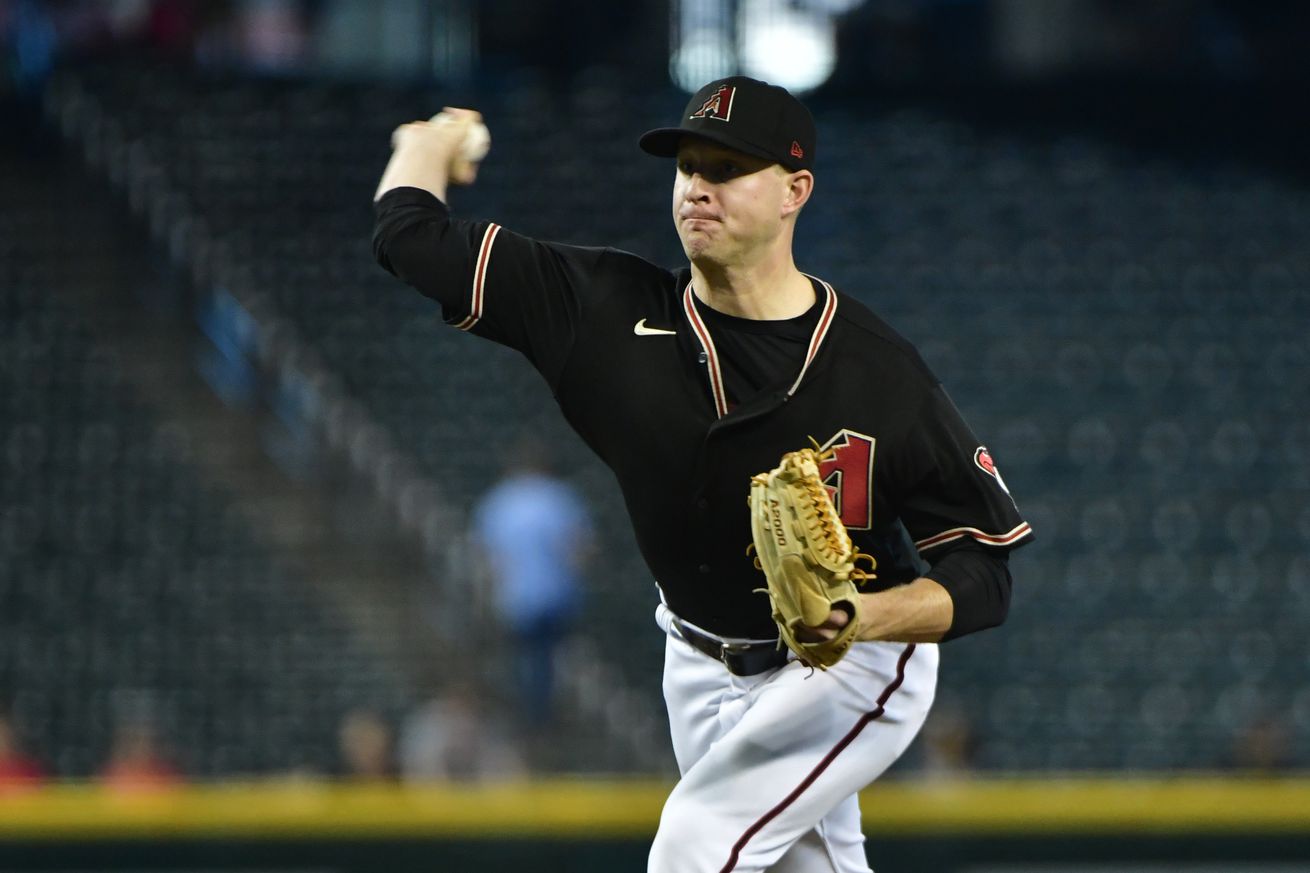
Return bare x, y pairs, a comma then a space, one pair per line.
747, 821
808, 743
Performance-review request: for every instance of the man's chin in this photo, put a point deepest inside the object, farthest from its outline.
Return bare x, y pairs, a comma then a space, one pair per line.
697, 248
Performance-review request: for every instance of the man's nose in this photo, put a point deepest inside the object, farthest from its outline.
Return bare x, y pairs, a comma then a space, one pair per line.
697, 188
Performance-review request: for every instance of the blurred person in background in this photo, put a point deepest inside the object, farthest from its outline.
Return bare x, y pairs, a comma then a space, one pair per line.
948, 747
137, 760
29, 43
534, 532
365, 745
1263, 746
453, 737
19, 771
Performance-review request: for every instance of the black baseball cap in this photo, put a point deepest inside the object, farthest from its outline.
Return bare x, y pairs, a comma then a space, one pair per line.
744, 114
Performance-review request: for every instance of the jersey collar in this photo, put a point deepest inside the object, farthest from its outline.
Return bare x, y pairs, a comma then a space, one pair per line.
715, 373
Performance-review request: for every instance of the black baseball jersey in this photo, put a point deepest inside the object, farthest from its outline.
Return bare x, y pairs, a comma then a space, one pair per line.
631, 358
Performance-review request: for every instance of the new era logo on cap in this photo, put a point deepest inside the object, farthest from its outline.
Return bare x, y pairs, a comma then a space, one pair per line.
718, 106
745, 114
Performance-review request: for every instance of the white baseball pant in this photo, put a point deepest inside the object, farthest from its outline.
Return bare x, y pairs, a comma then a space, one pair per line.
771, 764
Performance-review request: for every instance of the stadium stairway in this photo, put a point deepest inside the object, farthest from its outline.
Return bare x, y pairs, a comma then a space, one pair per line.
96, 265
308, 519
375, 538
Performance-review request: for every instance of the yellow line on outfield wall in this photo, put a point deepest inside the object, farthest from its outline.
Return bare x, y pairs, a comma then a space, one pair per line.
629, 809
1064, 805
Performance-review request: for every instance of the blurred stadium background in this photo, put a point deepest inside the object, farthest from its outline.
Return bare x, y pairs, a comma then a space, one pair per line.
237, 460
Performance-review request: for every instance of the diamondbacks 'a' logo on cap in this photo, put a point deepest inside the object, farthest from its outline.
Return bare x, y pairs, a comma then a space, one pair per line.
983, 459
718, 106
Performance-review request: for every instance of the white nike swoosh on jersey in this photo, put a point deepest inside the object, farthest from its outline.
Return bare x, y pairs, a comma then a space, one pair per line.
640, 329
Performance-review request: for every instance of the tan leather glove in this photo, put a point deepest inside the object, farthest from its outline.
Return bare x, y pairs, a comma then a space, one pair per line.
807, 557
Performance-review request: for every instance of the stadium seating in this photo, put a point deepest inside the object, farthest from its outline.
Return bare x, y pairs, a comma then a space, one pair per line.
129, 590
1125, 331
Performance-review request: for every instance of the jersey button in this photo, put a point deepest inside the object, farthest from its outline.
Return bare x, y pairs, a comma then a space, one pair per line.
702, 504
704, 568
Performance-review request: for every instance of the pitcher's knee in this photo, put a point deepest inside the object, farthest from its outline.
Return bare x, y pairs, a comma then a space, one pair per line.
690, 840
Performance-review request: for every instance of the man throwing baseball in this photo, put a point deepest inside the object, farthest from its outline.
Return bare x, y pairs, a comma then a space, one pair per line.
700, 388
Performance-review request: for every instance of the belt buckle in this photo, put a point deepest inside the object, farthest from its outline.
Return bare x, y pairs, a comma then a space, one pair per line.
727, 650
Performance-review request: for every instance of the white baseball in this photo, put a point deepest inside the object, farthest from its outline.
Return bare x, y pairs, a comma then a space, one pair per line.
476, 144
477, 139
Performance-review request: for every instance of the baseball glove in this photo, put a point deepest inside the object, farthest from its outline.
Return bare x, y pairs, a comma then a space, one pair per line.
807, 556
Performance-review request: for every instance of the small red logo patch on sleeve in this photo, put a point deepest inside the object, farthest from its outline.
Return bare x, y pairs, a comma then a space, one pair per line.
796, 150
983, 459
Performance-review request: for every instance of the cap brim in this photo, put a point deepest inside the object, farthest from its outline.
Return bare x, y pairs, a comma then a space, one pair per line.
663, 142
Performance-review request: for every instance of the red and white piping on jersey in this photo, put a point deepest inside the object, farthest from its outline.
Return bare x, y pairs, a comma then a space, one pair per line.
480, 278
712, 357
820, 331
955, 533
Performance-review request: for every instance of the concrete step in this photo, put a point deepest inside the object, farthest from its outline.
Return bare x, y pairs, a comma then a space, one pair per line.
326, 528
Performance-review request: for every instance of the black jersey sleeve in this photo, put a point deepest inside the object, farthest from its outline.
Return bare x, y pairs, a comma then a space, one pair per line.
949, 486
520, 292
978, 580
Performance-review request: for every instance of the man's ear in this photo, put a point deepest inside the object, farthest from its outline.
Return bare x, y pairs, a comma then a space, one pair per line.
800, 185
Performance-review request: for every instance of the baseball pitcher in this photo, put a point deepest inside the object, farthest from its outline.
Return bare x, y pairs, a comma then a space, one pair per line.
816, 513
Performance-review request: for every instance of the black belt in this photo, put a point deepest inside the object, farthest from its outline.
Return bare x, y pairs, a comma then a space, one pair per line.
741, 659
